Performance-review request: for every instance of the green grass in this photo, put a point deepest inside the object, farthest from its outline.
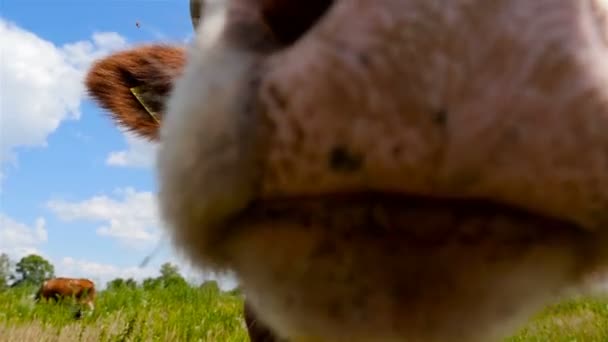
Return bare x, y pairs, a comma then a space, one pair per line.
576, 320
195, 314
175, 314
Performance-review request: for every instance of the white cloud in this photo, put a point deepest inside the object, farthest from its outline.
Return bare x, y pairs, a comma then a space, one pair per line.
82, 53
140, 153
129, 216
41, 84
18, 239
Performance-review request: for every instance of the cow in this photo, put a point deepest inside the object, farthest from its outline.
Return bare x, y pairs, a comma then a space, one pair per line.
80, 289
383, 170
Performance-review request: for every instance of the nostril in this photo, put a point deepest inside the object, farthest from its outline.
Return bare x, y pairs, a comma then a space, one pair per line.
290, 19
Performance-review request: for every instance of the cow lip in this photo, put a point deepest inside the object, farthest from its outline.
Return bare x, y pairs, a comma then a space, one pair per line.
386, 214
294, 246
281, 248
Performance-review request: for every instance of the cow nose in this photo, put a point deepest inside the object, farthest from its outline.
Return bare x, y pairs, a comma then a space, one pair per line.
210, 162
289, 20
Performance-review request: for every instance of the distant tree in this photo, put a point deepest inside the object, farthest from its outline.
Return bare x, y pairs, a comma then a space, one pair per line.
115, 284
131, 283
167, 270
174, 281
210, 286
169, 276
119, 283
5, 270
32, 270
151, 283
236, 292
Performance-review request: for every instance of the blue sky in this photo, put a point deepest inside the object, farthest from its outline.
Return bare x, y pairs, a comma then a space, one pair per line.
73, 187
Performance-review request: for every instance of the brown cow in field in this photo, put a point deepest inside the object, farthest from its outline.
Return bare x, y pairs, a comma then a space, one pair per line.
384, 170
83, 290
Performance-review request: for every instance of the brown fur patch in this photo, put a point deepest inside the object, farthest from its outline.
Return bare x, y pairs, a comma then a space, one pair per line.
155, 67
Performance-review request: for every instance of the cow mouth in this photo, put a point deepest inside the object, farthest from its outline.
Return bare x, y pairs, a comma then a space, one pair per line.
235, 193
417, 220
396, 224
336, 256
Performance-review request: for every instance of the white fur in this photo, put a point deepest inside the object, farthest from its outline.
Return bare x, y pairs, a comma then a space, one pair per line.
212, 23
204, 176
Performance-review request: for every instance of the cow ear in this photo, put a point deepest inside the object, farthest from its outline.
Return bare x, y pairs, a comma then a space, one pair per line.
134, 85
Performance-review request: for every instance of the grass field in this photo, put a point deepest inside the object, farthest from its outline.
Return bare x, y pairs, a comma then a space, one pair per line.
206, 314
180, 313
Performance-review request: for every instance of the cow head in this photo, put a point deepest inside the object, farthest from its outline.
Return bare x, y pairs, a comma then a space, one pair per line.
383, 170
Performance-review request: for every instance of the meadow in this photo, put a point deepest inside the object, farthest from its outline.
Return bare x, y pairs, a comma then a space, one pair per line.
185, 313
178, 313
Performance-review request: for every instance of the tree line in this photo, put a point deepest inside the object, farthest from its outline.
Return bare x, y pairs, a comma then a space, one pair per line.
33, 269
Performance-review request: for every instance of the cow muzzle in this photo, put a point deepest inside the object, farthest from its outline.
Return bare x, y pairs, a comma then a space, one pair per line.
380, 170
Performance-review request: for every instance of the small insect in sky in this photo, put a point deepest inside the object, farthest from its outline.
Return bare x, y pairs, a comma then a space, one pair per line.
137, 24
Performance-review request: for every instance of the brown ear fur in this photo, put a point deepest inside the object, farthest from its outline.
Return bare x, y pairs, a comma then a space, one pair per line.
154, 68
